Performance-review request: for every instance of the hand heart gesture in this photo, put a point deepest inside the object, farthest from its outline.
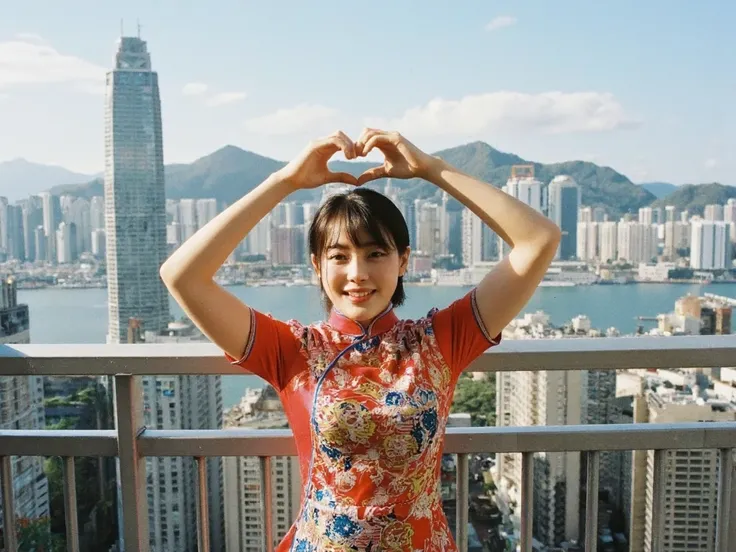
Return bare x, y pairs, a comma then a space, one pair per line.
402, 159
309, 169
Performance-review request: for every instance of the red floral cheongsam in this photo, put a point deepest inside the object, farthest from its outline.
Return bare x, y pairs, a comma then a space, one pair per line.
368, 409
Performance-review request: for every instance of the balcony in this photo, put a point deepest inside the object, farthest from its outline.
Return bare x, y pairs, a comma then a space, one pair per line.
131, 442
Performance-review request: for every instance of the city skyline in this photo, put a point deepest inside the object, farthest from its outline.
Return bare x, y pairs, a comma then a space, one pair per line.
627, 90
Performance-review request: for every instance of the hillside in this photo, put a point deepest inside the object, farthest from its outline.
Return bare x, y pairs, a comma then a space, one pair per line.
230, 172
600, 185
694, 197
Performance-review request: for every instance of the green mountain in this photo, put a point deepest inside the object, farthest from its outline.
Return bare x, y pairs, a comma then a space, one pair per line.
600, 186
694, 197
230, 172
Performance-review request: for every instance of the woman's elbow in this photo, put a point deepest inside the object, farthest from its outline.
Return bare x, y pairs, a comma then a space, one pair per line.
555, 235
549, 236
169, 275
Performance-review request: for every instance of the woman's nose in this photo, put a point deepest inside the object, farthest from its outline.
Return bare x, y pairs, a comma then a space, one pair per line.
357, 269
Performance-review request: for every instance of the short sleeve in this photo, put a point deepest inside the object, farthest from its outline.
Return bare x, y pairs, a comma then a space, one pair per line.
273, 348
461, 334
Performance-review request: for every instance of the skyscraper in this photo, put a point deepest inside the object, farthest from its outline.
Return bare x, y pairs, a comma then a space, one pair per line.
135, 210
564, 201
51, 220
709, 245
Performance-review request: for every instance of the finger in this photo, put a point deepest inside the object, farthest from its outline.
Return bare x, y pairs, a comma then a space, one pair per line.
366, 135
349, 144
335, 143
380, 140
372, 174
345, 178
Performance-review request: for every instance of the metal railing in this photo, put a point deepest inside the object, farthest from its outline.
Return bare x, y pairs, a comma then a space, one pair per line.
131, 442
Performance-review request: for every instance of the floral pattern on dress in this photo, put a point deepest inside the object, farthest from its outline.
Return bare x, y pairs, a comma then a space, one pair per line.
378, 421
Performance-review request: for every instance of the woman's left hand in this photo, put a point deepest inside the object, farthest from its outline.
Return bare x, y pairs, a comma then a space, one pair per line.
402, 158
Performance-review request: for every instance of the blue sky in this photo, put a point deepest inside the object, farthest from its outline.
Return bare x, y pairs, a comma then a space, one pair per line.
646, 87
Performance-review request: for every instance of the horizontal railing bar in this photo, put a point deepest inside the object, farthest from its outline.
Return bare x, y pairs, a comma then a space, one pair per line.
642, 436
58, 442
216, 442
279, 442
244, 442
603, 353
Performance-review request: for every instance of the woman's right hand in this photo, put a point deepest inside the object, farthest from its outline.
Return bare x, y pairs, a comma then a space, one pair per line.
309, 169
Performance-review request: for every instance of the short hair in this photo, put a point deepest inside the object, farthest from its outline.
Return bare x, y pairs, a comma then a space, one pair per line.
360, 210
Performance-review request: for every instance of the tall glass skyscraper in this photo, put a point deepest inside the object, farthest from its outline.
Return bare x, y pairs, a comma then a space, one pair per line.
564, 202
135, 209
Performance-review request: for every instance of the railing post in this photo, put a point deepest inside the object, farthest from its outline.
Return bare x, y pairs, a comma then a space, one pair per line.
70, 505
723, 513
527, 500
658, 483
461, 501
129, 424
267, 497
591, 500
6, 482
203, 512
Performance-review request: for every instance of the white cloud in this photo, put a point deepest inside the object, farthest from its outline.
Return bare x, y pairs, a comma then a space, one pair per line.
500, 22
548, 112
33, 62
225, 98
293, 120
194, 89
711, 163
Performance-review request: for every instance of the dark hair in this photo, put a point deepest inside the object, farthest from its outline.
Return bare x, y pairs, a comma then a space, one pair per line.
360, 210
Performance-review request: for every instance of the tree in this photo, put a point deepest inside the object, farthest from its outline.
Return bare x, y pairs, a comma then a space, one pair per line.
94, 502
34, 535
477, 398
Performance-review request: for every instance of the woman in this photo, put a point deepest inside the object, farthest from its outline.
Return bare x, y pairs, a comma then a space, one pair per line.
367, 395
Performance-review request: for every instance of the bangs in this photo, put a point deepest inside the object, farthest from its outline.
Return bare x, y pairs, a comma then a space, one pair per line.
355, 219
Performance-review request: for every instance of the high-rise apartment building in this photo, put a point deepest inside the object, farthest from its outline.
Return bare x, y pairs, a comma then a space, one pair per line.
245, 520
542, 398
21, 407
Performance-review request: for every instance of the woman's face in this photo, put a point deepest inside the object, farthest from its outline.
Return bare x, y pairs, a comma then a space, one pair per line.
360, 280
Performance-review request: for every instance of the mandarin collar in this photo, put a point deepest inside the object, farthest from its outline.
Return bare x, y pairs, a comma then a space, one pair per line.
381, 323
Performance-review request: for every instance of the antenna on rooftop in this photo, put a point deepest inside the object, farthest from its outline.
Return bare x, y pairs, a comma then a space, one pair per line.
138, 21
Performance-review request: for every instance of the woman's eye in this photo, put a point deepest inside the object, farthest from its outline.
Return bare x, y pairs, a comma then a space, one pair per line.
377, 254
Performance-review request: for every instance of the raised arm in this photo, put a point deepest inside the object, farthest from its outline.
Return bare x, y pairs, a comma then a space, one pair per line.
534, 238
189, 272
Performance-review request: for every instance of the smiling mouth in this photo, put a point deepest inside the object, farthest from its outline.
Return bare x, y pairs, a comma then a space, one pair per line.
359, 296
